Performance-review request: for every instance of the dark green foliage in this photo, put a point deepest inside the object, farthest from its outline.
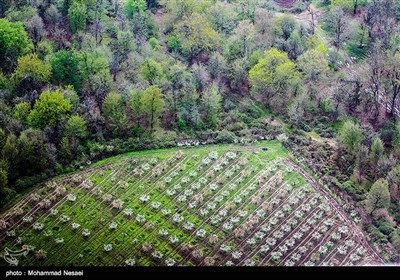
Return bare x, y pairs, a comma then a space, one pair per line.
65, 68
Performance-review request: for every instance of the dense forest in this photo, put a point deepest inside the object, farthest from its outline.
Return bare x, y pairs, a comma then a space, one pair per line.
81, 80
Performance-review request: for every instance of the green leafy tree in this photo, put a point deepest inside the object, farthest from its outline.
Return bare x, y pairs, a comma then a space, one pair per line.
377, 150
65, 68
49, 109
10, 154
351, 136
76, 127
196, 35
34, 157
274, 74
30, 74
114, 113
95, 73
134, 6
151, 71
153, 105
212, 103
136, 105
14, 42
77, 14
75, 131
378, 197
120, 46
21, 112
314, 65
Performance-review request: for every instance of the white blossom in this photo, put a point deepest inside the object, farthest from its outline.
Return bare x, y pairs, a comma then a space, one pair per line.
170, 262
75, 225
113, 225
144, 198
157, 254
140, 219
237, 255
38, 226
107, 247
59, 240
188, 225
173, 239
128, 212
86, 232
201, 233
130, 262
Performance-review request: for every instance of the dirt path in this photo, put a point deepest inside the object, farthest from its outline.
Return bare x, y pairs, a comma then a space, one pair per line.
343, 215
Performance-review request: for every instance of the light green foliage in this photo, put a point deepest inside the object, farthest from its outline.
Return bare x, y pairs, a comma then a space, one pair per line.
134, 6
284, 26
153, 105
314, 65
212, 101
377, 150
14, 42
378, 196
95, 70
21, 112
151, 71
185, 8
351, 136
49, 109
136, 104
345, 4
114, 112
65, 68
223, 17
76, 127
315, 43
31, 66
21, 14
274, 74
196, 35
77, 16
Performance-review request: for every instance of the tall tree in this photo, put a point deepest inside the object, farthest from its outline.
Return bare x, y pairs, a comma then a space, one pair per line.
65, 68
49, 109
14, 42
274, 74
351, 136
153, 105
31, 74
378, 197
77, 14
151, 71
114, 113
196, 35
212, 105
377, 150
337, 24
